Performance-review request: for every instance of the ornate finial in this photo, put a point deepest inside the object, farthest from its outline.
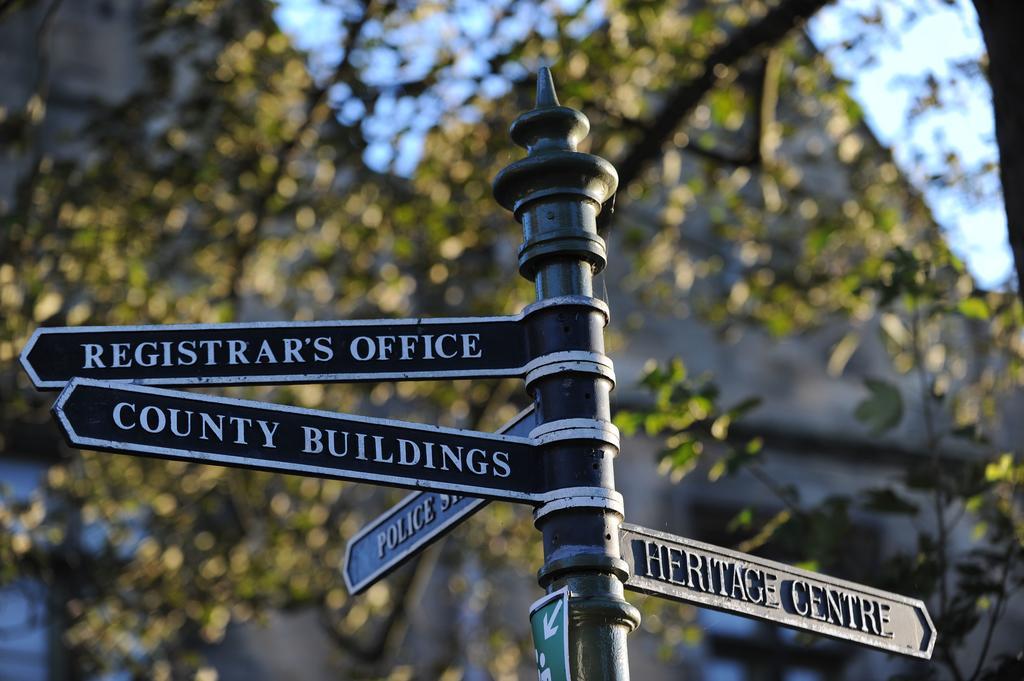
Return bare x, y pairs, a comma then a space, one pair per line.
545, 89
548, 125
556, 191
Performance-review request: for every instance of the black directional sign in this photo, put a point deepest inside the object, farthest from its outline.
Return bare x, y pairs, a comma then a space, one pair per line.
413, 524
693, 572
180, 425
279, 352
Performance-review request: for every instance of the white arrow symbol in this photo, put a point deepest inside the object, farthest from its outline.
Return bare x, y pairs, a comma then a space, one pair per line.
550, 621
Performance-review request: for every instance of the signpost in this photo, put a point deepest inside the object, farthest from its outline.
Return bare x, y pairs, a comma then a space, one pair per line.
549, 622
413, 524
173, 424
558, 457
693, 572
279, 352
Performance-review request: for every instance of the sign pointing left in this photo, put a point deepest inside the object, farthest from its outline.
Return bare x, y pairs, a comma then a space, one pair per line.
279, 352
173, 424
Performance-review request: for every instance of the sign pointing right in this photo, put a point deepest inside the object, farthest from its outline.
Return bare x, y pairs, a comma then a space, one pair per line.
694, 572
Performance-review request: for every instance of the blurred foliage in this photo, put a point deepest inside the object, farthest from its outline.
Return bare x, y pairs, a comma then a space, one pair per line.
688, 409
246, 178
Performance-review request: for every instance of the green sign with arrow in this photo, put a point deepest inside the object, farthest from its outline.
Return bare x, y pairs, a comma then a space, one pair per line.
549, 619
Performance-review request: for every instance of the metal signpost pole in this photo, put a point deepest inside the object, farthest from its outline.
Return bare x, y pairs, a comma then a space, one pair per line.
557, 194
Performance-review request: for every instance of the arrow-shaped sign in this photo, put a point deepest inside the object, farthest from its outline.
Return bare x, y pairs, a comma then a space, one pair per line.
694, 572
551, 620
549, 623
413, 524
279, 352
217, 430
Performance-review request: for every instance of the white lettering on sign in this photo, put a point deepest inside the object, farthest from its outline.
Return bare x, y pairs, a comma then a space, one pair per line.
185, 353
365, 447
423, 346
405, 526
424, 454
704, 573
180, 423
412, 521
234, 351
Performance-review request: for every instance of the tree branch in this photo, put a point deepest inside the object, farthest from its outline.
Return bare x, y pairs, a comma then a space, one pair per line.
763, 92
681, 102
1001, 24
29, 123
940, 499
997, 610
396, 620
315, 114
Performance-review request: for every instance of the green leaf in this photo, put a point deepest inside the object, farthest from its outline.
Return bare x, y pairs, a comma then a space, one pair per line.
735, 460
720, 427
703, 23
655, 423
1000, 470
744, 406
887, 501
741, 521
628, 422
882, 410
974, 308
683, 457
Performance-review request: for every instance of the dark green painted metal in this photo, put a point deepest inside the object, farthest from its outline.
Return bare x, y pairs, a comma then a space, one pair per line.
557, 193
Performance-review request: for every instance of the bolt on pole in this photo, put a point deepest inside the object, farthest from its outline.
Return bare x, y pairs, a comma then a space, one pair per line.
557, 193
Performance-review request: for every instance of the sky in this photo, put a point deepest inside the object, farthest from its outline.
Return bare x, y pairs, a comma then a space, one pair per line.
885, 70
914, 48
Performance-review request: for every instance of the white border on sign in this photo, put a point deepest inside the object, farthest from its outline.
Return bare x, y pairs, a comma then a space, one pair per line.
520, 419
540, 603
648, 585
284, 466
385, 568
278, 378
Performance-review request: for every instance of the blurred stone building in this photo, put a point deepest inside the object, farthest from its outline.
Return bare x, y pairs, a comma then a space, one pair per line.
59, 63
807, 419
